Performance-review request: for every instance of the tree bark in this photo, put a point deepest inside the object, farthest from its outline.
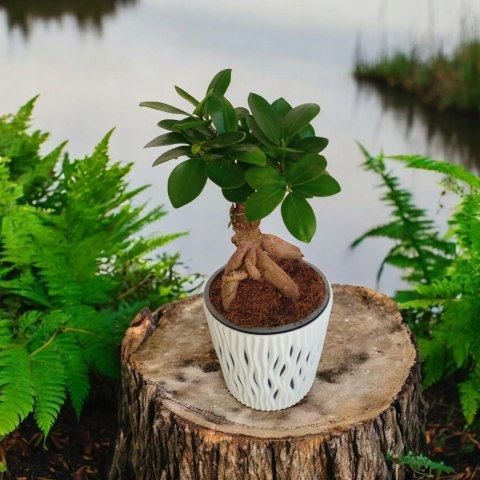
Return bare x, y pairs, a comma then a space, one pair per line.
178, 421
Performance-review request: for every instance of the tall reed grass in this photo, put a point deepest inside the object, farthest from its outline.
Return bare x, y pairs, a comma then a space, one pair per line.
444, 81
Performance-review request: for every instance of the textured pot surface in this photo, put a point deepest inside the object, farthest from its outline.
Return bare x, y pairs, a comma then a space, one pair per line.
269, 368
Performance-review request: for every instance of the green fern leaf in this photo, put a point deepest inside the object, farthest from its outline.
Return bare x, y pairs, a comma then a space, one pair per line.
434, 361
447, 289
419, 249
452, 170
72, 257
418, 303
102, 355
6, 332
394, 231
470, 397
48, 375
76, 370
49, 327
28, 323
420, 463
16, 387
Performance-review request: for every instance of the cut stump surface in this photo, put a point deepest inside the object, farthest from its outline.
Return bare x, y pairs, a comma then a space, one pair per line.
178, 420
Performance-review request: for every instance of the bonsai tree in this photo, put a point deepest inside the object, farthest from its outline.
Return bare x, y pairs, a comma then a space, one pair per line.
261, 157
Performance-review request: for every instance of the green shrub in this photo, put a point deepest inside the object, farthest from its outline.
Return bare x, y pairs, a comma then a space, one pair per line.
443, 304
74, 269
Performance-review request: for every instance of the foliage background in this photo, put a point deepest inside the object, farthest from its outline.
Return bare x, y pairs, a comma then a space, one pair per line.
442, 306
74, 269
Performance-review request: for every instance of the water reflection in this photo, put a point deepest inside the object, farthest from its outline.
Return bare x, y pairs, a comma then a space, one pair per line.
457, 135
88, 13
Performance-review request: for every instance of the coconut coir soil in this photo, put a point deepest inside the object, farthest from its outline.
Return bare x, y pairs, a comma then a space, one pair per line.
259, 304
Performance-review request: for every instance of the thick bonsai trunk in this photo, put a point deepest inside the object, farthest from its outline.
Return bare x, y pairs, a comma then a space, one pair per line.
252, 258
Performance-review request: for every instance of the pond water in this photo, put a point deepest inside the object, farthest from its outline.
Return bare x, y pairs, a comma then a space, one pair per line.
92, 66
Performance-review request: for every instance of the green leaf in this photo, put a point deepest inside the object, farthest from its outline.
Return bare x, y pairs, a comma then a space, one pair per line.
311, 144
242, 112
248, 153
257, 133
224, 140
170, 138
186, 96
322, 186
262, 203
17, 390
186, 182
220, 81
470, 398
223, 114
265, 117
306, 132
48, 376
197, 134
285, 153
299, 117
76, 371
305, 169
168, 124
164, 107
299, 217
238, 195
188, 124
264, 177
225, 174
199, 109
172, 154
281, 106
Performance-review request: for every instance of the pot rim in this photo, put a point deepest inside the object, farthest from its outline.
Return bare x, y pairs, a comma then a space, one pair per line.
268, 330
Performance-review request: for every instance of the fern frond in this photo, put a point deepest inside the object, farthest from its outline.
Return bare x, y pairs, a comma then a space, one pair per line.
444, 303
52, 323
434, 361
451, 170
76, 370
393, 230
28, 323
420, 463
6, 332
27, 286
470, 397
445, 288
418, 249
10, 191
100, 348
48, 375
417, 303
74, 269
16, 387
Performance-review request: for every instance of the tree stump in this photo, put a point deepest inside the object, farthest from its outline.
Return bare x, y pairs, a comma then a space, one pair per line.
177, 419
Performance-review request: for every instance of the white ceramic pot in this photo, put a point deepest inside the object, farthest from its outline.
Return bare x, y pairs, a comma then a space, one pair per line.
269, 368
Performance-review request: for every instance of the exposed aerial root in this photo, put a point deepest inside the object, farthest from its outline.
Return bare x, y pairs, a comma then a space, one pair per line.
278, 247
273, 274
252, 259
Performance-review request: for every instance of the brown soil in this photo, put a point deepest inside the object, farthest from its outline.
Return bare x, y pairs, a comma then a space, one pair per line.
259, 304
74, 450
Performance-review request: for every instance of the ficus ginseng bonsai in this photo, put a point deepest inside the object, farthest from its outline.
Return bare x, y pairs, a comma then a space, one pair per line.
261, 157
